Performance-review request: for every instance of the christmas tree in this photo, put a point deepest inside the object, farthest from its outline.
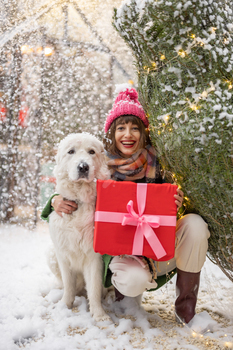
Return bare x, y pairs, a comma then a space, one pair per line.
184, 58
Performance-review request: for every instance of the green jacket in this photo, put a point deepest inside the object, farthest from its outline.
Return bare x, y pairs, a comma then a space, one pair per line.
48, 209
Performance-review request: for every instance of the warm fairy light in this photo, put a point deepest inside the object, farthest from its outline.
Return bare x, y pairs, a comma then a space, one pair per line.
162, 57
213, 29
182, 53
194, 107
159, 132
153, 64
145, 67
193, 36
130, 82
39, 50
26, 49
194, 334
166, 118
230, 86
48, 51
228, 344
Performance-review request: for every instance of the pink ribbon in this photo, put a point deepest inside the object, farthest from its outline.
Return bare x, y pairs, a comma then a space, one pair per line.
144, 223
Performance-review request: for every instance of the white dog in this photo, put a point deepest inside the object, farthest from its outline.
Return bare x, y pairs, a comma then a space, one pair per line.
79, 162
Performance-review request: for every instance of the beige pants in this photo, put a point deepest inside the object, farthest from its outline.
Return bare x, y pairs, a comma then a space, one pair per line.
191, 245
190, 253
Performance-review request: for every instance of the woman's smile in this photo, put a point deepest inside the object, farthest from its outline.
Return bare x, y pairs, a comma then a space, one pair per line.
127, 138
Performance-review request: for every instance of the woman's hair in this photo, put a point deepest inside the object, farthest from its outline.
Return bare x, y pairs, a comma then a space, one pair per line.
109, 139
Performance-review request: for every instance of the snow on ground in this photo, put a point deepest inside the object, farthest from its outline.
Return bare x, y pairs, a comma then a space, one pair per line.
31, 316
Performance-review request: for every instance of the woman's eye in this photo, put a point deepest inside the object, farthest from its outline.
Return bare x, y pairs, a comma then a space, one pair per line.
91, 151
71, 151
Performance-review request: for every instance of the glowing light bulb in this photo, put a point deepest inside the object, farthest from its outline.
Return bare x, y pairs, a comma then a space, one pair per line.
213, 29
48, 51
162, 57
193, 36
182, 53
194, 107
153, 64
26, 49
131, 82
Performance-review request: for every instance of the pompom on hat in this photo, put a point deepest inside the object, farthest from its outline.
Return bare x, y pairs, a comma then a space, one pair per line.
126, 103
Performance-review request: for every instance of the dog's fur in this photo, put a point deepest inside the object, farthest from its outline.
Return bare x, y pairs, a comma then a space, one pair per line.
79, 162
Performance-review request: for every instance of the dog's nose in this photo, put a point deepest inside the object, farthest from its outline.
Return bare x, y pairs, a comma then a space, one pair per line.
83, 168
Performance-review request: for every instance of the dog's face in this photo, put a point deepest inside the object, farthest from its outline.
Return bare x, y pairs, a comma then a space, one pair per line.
80, 157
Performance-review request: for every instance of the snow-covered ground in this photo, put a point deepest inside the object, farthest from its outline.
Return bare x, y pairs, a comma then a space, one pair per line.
31, 316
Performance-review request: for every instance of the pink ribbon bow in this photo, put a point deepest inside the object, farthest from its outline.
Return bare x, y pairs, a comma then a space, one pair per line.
144, 225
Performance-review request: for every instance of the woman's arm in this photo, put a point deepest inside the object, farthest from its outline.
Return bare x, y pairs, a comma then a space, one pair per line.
62, 205
57, 203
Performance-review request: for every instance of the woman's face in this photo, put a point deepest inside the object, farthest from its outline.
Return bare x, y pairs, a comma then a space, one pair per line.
127, 137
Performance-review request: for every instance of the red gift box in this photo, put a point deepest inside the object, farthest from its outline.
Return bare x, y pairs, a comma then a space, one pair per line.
135, 219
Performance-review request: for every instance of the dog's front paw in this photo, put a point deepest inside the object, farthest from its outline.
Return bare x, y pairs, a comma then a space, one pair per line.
105, 317
68, 302
100, 315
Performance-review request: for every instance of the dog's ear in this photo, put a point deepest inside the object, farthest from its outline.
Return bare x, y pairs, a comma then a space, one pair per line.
103, 172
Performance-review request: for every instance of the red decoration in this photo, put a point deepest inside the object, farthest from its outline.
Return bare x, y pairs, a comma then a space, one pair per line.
2, 112
23, 113
125, 225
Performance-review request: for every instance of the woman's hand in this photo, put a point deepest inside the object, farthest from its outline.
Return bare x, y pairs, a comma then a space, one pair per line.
179, 198
63, 205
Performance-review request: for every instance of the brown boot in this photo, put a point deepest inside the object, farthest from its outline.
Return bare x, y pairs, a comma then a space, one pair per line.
187, 285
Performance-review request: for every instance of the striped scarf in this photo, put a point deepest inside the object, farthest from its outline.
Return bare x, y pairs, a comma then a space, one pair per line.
143, 163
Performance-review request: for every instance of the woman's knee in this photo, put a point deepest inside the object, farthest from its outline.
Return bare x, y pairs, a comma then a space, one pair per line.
194, 226
131, 276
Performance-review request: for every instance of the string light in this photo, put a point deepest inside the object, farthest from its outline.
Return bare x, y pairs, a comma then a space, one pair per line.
26, 49
194, 107
166, 118
182, 53
228, 344
230, 85
213, 29
48, 51
162, 57
193, 36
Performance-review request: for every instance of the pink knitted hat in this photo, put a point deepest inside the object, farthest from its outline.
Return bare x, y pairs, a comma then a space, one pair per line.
126, 103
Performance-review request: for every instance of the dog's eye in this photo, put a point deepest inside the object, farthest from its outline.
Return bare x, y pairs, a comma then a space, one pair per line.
91, 151
71, 151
